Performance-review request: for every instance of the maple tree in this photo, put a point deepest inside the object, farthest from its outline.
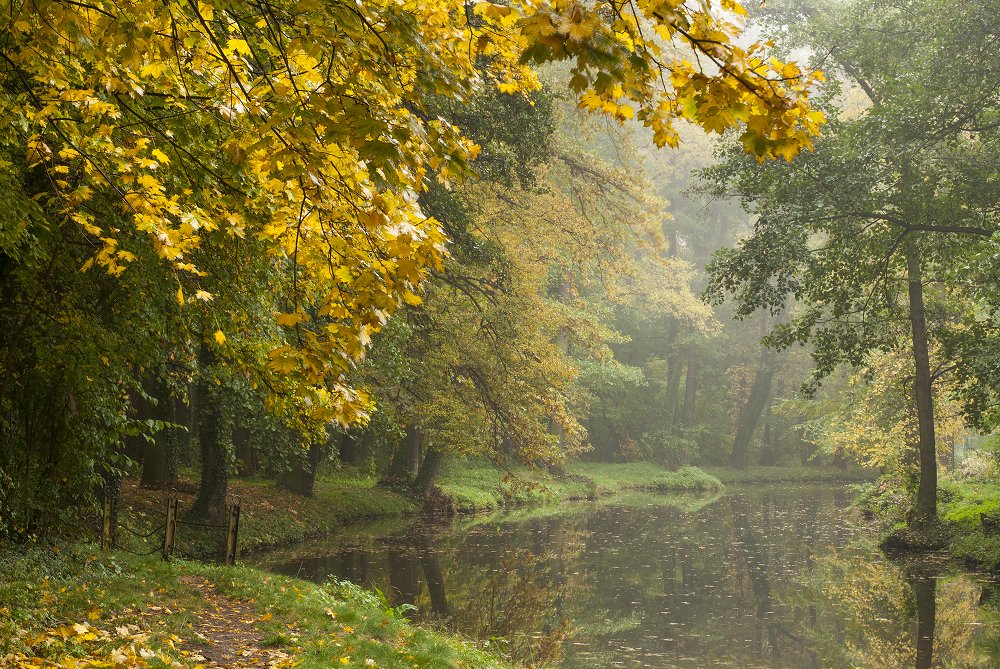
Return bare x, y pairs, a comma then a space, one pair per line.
261, 165
302, 126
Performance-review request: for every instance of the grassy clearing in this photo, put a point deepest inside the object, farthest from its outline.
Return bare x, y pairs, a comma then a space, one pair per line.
730, 475
75, 606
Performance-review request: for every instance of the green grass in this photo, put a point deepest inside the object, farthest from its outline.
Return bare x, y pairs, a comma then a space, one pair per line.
45, 591
960, 531
475, 487
960, 504
616, 478
789, 475
272, 517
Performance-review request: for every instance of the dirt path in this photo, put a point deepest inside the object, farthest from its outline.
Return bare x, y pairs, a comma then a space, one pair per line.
226, 633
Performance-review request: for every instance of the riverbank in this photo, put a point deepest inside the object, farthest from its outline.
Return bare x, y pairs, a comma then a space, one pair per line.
71, 606
273, 517
974, 539
731, 475
969, 513
483, 488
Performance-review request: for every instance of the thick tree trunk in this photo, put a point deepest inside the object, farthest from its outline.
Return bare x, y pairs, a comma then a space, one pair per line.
210, 504
926, 507
406, 458
746, 422
428, 472
562, 343
301, 478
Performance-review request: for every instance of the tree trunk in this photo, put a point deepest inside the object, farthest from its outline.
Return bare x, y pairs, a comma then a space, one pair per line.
301, 478
406, 458
428, 472
674, 365
347, 449
159, 458
690, 391
769, 447
926, 507
210, 504
746, 423
185, 414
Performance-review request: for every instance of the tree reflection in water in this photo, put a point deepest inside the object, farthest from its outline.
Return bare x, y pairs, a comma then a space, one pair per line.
770, 578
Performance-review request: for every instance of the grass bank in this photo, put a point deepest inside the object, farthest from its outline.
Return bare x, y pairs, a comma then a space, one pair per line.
73, 606
273, 517
731, 475
478, 488
961, 504
962, 532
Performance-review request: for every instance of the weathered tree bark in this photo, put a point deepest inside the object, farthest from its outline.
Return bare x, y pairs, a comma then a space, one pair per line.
429, 469
406, 457
300, 478
760, 395
926, 507
210, 504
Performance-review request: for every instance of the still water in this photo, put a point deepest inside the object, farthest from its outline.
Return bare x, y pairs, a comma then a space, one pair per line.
759, 577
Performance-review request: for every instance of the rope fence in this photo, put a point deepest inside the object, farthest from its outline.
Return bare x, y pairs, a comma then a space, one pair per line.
114, 530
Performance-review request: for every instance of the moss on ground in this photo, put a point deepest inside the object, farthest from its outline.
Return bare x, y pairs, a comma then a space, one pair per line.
960, 506
72, 605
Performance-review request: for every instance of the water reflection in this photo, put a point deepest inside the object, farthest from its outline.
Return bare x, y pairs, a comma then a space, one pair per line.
764, 578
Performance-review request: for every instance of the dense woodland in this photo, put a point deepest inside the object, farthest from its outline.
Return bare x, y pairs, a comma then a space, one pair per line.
244, 239
579, 264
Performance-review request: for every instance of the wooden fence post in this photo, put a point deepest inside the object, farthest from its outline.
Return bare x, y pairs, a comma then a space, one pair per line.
170, 528
234, 528
106, 521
